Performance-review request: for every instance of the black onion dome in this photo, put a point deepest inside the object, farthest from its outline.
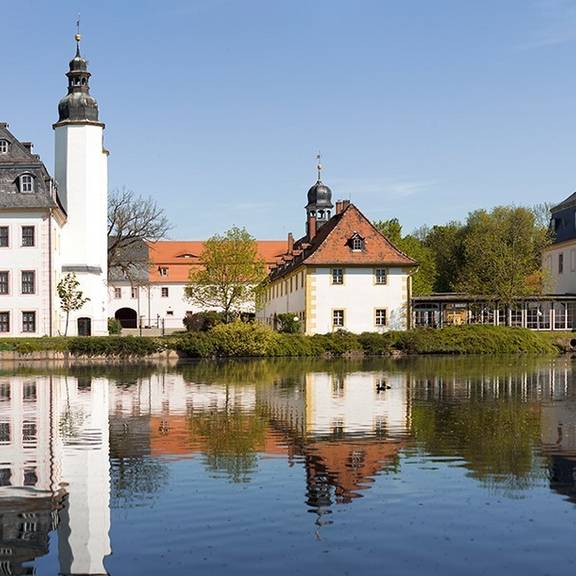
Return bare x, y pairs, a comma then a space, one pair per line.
320, 196
78, 105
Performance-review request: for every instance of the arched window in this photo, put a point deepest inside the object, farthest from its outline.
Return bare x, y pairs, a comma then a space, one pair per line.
4, 146
26, 182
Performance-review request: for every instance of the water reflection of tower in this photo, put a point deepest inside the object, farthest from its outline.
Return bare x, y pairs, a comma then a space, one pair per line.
84, 526
347, 427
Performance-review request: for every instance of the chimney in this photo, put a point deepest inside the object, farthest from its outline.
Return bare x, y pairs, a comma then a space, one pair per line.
311, 226
290, 242
338, 206
28, 146
344, 204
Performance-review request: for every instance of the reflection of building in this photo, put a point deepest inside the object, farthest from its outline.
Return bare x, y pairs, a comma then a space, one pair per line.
54, 453
348, 428
559, 444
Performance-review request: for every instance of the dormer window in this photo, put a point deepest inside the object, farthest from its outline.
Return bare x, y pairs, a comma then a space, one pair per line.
4, 145
163, 271
356, 243
26, 183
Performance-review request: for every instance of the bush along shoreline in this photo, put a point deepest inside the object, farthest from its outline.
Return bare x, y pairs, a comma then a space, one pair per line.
242, 340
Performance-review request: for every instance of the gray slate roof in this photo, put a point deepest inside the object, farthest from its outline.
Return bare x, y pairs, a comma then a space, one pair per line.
21, 160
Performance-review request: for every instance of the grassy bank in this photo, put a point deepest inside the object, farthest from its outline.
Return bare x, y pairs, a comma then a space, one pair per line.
240, 340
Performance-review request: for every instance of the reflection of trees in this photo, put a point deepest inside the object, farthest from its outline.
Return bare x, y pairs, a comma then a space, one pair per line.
495, 438
135, 479
230, 440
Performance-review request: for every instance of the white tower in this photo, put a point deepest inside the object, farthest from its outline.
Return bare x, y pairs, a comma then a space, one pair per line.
82, 174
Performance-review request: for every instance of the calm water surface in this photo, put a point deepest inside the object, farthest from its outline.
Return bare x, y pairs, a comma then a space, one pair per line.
432, 466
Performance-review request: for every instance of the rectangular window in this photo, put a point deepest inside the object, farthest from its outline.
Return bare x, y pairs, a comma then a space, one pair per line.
164, 292
28, 321
381, 317
134, 292
4, 237
28, 282
163, 271
338, 318
26, 183
560, 263
29, 391
4, 432
380, 275
28, 431
27, 235
117, 293
4, 321
4, 282
337, 276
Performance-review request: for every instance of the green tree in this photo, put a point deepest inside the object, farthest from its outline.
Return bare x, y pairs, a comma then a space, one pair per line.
447, 245
230, 274
424, 278
502, 254
71, 297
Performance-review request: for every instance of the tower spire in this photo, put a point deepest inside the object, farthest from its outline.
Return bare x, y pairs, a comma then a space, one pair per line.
77, 36
319, 166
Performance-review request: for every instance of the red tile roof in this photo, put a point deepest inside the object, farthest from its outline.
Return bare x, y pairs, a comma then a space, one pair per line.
181, 256
331, 245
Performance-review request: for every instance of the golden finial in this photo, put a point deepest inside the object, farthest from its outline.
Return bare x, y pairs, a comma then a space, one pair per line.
77, 36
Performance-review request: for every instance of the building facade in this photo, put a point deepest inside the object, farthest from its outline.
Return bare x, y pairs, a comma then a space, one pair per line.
559, 259
154, 295
53, 227
342, 275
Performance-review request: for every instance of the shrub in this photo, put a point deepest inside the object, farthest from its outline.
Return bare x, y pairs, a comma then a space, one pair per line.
338, 342
375, 344
114, 326
115, 346
202, 321
240, 340
289, 323
196, 345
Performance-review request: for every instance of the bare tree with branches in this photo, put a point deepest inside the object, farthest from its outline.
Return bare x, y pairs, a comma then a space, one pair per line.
132, 222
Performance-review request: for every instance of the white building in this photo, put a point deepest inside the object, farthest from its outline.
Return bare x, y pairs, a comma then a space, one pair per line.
342, 275
48, 230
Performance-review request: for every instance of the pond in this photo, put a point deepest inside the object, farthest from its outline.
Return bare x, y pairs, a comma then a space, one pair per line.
424, 466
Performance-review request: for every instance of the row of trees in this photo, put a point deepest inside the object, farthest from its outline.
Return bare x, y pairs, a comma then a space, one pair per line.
495, 253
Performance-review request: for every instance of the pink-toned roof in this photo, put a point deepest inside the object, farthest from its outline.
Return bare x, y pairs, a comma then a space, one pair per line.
179, 256
331, 245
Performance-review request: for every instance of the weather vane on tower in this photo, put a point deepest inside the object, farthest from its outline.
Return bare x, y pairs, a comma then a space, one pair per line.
77, 36
319, 165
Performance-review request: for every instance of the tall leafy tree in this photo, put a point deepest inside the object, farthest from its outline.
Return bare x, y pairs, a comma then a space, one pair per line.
230, 273
424, 278
447, 245
502, 254
71, 297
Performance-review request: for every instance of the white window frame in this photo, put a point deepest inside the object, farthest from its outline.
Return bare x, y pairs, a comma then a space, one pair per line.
6, 313
34, 320
378, 317
33, 228
338, 318
26, 183
33, 277
163, 271
164, 292
7, 272
4, 146
337, 275
117, 293
7, 228
357, 244
378, 272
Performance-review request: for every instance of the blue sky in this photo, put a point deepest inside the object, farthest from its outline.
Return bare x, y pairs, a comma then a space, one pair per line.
423, 110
